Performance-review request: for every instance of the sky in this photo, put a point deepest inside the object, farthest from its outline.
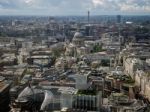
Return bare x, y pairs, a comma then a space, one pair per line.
74, 7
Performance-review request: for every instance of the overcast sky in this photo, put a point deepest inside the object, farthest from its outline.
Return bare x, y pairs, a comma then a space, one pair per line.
74, 7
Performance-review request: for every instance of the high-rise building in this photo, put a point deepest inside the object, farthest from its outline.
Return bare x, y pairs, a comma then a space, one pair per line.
88, 17
118, 18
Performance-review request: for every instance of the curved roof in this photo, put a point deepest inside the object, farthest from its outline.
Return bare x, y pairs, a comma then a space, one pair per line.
48, 98
78, 35
28, 93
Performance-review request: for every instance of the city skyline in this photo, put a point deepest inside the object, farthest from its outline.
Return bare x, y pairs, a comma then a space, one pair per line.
74, 55
74, 7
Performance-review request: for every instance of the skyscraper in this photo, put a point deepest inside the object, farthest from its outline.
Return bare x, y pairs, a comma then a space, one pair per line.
118, 18
88, 17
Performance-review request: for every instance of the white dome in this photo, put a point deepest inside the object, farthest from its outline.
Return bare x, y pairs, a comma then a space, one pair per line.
78, 35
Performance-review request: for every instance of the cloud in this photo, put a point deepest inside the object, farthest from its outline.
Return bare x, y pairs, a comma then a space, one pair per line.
74, 7
123, 5
135, 6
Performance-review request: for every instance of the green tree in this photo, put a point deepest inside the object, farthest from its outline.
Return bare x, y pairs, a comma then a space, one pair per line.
97, 48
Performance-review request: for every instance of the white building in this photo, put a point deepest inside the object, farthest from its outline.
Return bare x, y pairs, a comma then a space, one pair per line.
131, 65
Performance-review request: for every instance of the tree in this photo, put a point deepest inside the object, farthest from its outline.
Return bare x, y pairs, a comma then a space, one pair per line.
97, 48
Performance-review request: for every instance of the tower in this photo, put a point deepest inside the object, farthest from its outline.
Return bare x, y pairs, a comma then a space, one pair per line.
118, 18
88, 17
87, 27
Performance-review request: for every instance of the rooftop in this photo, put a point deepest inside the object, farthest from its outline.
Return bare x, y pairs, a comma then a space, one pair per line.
4, 85
69, 90
87, 92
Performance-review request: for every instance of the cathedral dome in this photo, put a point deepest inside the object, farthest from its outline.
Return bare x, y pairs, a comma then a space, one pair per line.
78, 35
78, 39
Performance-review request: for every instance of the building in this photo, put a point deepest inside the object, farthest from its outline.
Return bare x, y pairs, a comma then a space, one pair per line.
131, 65
81, 100
78, 39
118, 102
88, 100
4, 95
142, 79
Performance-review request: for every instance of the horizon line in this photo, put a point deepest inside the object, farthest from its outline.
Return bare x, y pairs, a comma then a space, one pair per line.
77, 15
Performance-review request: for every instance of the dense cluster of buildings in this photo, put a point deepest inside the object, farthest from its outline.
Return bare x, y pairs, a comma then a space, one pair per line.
96, 67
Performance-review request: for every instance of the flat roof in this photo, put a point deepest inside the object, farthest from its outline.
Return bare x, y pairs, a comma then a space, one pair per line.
3, 86
40, 56
69, 90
